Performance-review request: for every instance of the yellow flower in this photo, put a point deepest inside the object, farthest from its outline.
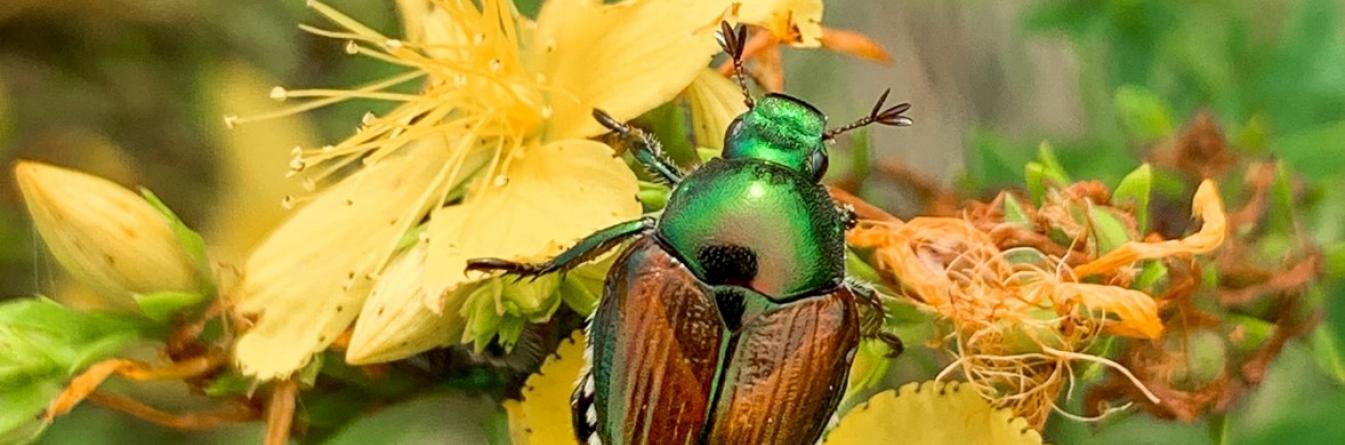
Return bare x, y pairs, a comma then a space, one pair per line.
931, 413
927, 413
105, 235
502, 115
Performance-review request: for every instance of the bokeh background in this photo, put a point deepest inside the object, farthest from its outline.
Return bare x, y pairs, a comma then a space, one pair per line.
136, 91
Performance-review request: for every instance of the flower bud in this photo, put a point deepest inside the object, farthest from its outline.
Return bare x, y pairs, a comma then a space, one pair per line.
105, 235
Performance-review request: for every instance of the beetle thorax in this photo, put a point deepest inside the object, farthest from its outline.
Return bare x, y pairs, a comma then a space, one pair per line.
757, 225
782, 130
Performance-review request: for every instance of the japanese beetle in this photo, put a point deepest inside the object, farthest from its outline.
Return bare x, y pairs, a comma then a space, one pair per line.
729, 318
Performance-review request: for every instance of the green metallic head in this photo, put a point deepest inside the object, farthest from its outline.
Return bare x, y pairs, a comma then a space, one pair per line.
783, 130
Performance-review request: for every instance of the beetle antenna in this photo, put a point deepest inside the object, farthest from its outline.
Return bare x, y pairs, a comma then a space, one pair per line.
734, 40
893, 116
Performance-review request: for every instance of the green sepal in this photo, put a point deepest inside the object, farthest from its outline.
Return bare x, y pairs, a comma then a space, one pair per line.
653, 195
1108, 230
510, 329
230, 384
582, 288
1014, 213
1053, 169
308, 375
1034, 175
1206, 358
192, 243
531, 299
164, 306
869, 368
1252, 332
483, 320
1094, 371
1135, 190
1153, 272
1143, 114
412, 236
856, 267
1043, 174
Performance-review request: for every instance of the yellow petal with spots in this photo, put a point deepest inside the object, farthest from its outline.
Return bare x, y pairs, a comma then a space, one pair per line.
305, 283
796, 22
931, 413
543, 416
715, 102
394, 322
547, 200
624, 58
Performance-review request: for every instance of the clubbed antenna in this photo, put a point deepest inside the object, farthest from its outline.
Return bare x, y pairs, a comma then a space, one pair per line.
890, 116
733, 40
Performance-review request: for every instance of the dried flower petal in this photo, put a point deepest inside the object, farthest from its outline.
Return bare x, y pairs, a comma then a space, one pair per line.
1206, 203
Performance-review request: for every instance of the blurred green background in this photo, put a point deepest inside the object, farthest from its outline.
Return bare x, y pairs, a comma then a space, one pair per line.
136, 91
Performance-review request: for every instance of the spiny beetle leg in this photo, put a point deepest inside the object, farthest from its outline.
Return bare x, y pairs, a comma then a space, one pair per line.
872, 315
646, 149
584, 251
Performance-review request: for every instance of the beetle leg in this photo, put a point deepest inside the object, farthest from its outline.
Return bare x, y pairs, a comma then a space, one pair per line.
647, 149
872, 315
586, 250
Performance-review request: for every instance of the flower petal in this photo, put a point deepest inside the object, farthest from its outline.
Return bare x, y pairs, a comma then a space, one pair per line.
306, 280
931, 413
796, 22
624, 58
715, 102
394, 322
553, 196
1128, 312
542, 417
1206, 203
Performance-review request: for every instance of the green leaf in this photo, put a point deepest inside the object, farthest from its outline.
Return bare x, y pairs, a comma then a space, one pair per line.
21, 405
472, 420
1327, 353
1315, 152
191, 242
42, 345
1280, 215
164, 306
1147, 118
991, 161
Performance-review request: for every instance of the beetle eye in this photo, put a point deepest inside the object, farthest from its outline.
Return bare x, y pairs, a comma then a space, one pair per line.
818, 163
734, 128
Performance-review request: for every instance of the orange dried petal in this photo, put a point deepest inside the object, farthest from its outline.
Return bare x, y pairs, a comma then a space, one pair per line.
1206, 203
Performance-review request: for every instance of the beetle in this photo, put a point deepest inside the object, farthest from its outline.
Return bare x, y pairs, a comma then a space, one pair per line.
729, 318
